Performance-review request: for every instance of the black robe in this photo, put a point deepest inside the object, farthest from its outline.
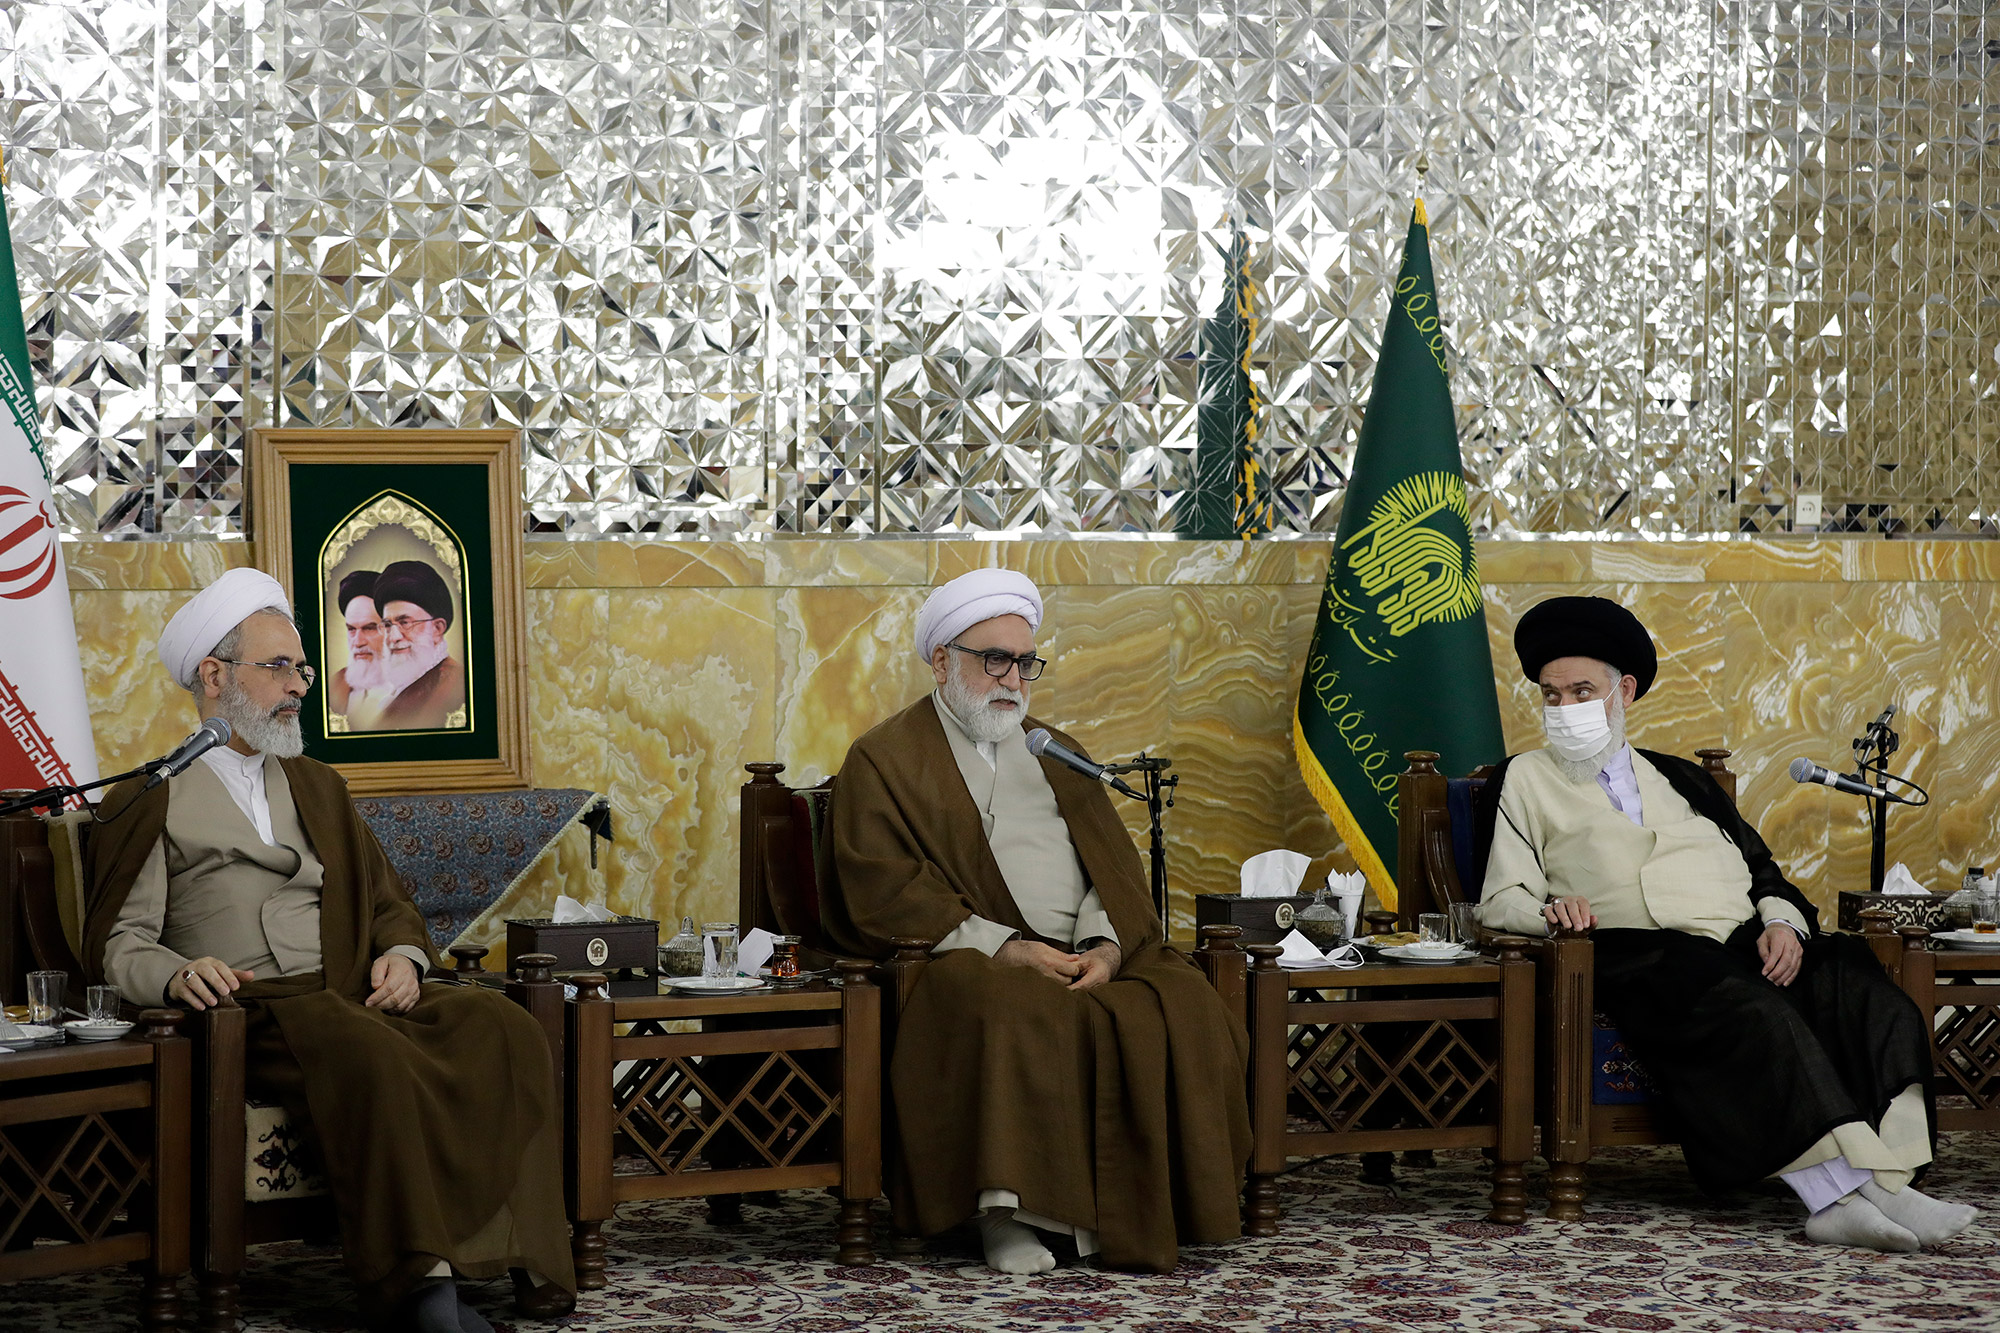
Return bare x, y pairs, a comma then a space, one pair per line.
1751, 1074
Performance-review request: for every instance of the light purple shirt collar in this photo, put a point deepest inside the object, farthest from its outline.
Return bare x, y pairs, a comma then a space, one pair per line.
1621, 784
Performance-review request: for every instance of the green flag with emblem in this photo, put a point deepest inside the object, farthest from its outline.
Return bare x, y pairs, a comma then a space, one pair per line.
1228, 497
1398, 660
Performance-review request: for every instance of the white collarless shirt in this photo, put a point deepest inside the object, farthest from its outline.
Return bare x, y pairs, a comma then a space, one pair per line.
243, 778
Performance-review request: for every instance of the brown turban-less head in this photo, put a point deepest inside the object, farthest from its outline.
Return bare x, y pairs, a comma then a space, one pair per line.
1586, 627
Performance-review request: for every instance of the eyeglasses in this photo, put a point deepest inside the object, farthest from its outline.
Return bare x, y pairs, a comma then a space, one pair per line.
284, 671
998, 664
404, 624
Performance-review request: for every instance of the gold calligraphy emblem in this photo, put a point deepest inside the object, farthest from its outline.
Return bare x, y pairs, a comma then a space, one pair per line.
1409, 566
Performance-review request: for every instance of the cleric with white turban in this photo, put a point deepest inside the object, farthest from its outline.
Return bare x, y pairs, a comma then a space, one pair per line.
1054, 1038
211, 614
971, 598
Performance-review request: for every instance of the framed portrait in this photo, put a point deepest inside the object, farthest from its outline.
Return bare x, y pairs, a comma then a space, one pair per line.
401, 550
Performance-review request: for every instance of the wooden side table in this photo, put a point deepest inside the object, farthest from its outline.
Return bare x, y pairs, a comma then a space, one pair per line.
1959, 993
779, 1089
94, 1157
1391, 1056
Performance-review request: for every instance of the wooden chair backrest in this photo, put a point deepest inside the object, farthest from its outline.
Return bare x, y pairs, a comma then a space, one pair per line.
786, 857
41, 898
1427, 877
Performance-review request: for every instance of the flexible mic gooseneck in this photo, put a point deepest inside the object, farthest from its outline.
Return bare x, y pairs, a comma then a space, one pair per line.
212, 732
1044, 746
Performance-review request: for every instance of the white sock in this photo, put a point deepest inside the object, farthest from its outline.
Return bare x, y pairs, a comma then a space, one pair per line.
1012, 1247
1931, 1220
1857, 1222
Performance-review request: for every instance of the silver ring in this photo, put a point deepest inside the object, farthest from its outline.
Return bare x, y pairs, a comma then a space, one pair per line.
188, 975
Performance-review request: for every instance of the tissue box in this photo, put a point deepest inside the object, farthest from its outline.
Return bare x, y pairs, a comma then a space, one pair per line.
587, 946
1907, 909
1264, 920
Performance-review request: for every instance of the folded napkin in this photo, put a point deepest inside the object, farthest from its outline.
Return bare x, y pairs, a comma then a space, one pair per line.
10, 1031
1299, 953
1274, 874
1899, 880
569, 910
754, 951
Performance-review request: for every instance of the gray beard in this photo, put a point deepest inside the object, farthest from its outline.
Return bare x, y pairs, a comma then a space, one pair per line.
275, 732
981, 722
1586, 770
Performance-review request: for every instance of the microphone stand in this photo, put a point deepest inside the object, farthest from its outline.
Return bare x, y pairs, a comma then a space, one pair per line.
1871, 755
54, 797
1159, 793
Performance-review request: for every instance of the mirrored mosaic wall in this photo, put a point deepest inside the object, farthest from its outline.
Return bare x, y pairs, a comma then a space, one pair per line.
840, 267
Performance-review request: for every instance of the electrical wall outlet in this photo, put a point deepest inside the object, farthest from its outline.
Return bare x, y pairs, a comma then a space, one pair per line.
1805, 509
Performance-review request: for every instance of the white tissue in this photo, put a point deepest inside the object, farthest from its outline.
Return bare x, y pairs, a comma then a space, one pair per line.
569, 910
753, 951
1299, 953
1899, 880
9, 1030
1274, 874
1346, 890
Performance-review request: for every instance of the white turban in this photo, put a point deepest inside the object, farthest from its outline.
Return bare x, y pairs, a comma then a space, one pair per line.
971, 598
214, 611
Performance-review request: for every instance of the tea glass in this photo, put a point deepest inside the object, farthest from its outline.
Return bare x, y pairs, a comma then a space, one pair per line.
103, 1004
1433, 928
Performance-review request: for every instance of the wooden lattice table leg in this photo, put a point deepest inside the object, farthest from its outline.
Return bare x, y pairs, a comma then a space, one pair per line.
855, 1234
586, 1248
1566, 1191
1510, 1194
1260, 1204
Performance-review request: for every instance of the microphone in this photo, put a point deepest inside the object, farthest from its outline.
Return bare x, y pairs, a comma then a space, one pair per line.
1042, 745
211, 733
1805, 770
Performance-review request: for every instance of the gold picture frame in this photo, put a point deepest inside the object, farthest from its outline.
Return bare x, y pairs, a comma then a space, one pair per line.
446, 504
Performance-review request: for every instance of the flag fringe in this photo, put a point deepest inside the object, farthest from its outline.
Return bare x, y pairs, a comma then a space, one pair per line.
1344, 823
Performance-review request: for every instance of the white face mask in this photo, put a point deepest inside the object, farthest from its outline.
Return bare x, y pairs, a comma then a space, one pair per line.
1577, 731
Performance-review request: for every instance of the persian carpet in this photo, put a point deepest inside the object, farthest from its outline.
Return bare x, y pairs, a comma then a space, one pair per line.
1654, 1255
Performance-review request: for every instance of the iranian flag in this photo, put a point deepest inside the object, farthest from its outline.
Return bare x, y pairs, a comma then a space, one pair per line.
45, 736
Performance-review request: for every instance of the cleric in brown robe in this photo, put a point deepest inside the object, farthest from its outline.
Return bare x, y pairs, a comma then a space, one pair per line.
1058, 1068
252, 878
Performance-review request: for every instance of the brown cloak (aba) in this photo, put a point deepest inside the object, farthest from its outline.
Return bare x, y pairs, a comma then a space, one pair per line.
1120, 1108
439, 1127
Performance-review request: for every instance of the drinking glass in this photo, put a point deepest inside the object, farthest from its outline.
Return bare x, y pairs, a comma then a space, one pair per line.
103, 1004
1986, 908
1433, 928
45, 996
718, 948
1465, 923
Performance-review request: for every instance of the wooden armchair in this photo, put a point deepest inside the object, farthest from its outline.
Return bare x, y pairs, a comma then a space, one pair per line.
1589, 1091
787, 866
254, 1177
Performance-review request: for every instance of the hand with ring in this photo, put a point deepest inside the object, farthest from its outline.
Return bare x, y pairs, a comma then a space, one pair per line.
204, 982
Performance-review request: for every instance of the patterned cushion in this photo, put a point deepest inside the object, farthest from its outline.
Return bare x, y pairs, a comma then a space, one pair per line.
1616, 1076
278, 1161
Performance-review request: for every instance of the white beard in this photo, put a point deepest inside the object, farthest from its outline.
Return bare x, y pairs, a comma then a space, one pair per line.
364, 674
1586, 770
401, 670
275, 732
975, 713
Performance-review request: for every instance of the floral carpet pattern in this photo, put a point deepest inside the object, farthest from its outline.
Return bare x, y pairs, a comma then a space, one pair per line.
1654, 1256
